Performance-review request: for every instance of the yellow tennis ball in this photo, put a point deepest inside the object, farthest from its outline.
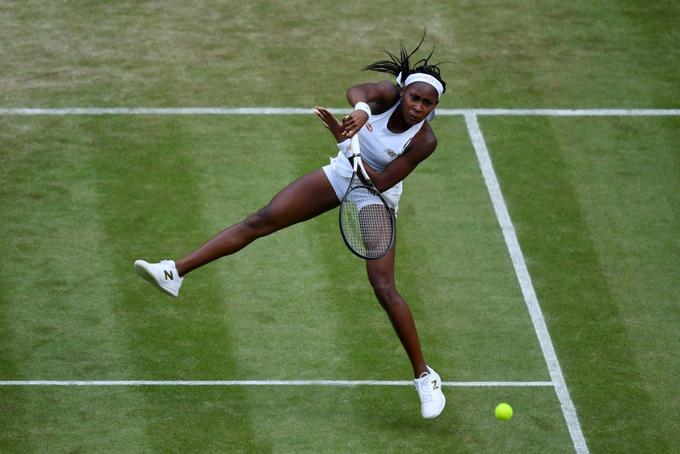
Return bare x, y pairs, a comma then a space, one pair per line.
504, 412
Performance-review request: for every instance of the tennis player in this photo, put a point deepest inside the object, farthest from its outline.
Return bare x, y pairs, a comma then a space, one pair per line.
395, 136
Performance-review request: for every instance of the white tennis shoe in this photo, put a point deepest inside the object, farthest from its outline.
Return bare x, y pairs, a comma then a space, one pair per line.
163, 275
429, 387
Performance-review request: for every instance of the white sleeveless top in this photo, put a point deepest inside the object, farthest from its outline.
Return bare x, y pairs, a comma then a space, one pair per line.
379, 147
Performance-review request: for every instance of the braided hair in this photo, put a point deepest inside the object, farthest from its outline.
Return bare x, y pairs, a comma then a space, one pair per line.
401, 64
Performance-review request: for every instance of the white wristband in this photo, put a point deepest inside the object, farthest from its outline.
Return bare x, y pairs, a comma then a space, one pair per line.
363, 106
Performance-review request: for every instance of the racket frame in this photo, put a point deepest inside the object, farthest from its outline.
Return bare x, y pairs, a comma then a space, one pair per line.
358, 166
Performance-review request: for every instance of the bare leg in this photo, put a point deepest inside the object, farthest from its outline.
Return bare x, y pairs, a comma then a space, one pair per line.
305, 198
381, 276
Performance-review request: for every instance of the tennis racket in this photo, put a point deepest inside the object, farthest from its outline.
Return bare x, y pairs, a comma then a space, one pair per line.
367, 223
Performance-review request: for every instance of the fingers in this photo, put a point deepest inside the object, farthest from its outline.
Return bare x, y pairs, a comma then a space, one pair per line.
349, 129
321, 117
330, 122
322, 111
353, 122
326, 117
350, 125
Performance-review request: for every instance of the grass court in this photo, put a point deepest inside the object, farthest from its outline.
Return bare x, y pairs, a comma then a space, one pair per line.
594, 201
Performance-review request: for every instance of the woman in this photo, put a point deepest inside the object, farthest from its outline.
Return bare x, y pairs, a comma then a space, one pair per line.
394, 138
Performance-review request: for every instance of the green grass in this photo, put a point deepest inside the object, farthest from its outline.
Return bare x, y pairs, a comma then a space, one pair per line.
266, 419
610, 53
293, 306
594, 201
604, 254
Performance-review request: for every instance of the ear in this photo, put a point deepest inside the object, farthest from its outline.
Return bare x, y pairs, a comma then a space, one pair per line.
402, 91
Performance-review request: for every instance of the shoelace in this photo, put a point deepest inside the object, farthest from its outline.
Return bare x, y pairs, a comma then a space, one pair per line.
424, 387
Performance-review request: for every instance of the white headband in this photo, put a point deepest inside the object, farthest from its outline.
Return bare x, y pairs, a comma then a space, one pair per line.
421, 77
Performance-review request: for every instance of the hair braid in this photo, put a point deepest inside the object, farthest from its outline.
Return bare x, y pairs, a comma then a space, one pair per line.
401, 64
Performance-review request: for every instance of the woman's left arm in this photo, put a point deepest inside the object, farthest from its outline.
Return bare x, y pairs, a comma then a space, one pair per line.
421, 147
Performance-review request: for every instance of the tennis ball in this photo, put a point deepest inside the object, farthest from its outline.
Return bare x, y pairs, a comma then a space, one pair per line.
504, 412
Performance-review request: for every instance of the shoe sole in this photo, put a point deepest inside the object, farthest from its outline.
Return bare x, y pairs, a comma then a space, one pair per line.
142, 271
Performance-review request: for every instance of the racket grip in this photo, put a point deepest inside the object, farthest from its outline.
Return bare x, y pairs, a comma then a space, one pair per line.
354, 142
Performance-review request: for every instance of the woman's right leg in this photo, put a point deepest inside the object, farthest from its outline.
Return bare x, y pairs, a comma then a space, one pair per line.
303, 199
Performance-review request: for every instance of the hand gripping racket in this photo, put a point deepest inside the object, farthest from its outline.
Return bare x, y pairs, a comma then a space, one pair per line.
367, 223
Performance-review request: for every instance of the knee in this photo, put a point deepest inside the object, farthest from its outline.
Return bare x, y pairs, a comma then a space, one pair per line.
261, 222
386, 293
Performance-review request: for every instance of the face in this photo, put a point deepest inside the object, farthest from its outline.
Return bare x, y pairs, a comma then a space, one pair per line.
417, 101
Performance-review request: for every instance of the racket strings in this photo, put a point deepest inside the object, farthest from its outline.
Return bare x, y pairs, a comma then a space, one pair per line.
367, 223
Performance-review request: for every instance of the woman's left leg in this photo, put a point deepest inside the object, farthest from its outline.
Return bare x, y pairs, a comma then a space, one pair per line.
427, 382
381, 277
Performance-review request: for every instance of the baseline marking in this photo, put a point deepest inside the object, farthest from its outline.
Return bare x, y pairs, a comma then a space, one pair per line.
347, 383
527, 287
19, 111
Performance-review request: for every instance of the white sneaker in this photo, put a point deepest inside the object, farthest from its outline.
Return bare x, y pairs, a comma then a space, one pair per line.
429, 387
163, 275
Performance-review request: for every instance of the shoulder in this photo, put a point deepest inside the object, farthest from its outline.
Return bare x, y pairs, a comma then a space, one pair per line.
387, 95
422, 145
425, 139
388, 89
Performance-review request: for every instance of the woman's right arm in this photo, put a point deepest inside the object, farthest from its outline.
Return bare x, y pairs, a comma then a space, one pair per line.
379, 96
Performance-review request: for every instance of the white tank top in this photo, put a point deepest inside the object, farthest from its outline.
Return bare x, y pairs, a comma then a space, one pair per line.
379, 145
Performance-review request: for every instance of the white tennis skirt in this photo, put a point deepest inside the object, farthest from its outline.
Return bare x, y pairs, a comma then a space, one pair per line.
339, 173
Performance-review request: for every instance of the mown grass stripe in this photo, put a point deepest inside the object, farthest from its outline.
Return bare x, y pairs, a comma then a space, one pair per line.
150, 198
58, 290
339, 383
20, 111
602, 257
526, 285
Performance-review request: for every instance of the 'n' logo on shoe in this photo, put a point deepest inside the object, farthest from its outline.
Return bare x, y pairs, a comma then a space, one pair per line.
168, 274
434, 384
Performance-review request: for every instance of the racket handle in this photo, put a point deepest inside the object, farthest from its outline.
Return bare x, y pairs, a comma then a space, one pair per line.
357, 156
355, 144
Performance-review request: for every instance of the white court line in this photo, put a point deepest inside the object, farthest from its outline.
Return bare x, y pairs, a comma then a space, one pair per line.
564, 112
20, 111
349, 383
530, 298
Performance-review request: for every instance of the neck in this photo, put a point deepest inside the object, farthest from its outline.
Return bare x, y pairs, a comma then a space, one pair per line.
397, 123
